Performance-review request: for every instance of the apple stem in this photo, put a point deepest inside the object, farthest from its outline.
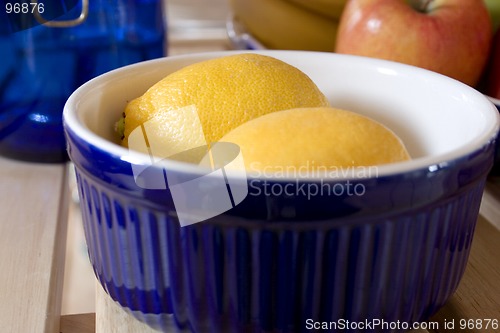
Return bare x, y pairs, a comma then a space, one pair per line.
420, 5
425, 5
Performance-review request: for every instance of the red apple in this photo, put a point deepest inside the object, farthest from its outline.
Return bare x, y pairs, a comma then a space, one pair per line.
451, 37
492, 72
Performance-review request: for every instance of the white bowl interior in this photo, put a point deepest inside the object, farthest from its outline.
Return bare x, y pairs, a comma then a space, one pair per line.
437, 118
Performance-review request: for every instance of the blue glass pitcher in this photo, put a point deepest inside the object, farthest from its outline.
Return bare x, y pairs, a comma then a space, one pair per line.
48, 48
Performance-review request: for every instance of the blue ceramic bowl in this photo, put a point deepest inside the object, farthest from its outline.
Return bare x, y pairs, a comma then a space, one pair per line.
386, 245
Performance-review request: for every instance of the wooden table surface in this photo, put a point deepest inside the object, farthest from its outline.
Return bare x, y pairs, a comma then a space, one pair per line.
33, 204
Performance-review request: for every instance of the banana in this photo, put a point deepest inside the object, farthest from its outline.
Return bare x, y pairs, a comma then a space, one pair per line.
329, 8
280, 24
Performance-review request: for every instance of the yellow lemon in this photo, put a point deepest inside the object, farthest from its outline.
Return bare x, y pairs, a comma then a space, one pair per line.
321, 137
200, 103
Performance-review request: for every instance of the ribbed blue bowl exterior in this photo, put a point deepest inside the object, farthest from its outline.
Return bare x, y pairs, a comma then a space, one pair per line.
226, 276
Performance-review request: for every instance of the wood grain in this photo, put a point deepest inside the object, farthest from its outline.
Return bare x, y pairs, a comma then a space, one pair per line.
33, 206
490, 206
478, 295
78, 323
